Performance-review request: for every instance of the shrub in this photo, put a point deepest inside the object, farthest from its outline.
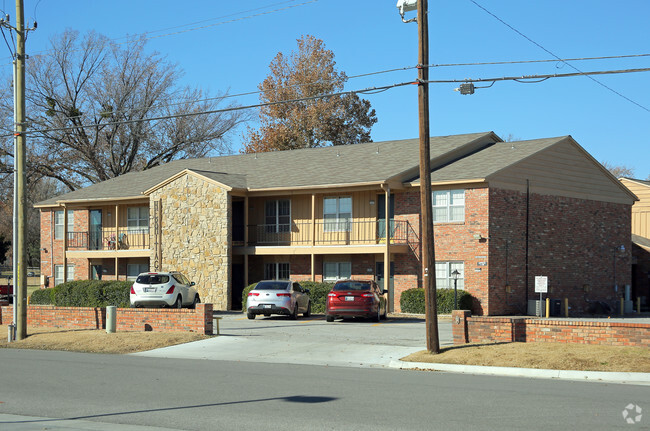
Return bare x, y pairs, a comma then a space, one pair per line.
85, 293
412, 301
42, 297
317, 293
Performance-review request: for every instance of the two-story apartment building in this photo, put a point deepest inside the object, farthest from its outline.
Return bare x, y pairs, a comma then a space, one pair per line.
504, 212
640, 240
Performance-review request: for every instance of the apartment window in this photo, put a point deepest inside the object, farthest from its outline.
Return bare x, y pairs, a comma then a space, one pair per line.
137, 219
449, 206
337, 214
333, 271
276, 271
134, 269
444, 278
277, 216
58, 224
58, 274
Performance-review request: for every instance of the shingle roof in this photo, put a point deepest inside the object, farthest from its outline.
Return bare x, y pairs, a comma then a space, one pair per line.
491, 159
454, 158
372, 162
642, 182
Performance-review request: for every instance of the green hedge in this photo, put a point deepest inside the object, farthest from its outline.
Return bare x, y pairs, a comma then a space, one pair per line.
317, 293
85, 293
412, 301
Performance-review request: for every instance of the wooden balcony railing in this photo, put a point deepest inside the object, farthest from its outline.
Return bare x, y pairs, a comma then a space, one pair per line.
335, 232
109, 239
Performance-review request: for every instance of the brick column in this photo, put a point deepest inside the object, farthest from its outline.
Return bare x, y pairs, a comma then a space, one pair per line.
459, 326
205, 310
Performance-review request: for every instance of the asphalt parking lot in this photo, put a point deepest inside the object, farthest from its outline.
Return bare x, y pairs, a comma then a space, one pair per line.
310, 340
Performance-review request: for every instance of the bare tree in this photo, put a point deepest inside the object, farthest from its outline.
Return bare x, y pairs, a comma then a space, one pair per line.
306, 74
89, 105
618, 170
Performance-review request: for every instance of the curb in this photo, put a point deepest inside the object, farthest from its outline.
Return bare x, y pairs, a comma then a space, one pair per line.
592, 376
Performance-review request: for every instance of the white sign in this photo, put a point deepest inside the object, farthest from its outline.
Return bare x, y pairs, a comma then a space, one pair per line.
541, 284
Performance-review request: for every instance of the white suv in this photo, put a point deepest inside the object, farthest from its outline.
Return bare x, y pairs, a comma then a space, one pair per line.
166, 289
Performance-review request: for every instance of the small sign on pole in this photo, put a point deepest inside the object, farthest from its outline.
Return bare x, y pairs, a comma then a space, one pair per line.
541, 287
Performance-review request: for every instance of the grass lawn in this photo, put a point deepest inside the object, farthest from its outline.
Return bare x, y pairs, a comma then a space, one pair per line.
543, 355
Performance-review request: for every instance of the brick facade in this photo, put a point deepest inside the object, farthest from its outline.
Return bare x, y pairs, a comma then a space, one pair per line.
571, 241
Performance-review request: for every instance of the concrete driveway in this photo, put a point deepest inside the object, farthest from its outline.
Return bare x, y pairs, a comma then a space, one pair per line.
311, 341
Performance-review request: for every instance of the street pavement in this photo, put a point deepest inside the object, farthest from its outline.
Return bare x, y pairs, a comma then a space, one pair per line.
351, 343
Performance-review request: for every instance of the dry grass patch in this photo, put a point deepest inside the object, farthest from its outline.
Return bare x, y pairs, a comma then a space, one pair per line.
552, 356
96, 340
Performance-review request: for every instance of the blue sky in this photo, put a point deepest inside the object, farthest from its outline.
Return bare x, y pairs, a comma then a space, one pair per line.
231, 43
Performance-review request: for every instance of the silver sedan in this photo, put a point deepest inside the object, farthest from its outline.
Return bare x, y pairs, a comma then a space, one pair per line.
278, 297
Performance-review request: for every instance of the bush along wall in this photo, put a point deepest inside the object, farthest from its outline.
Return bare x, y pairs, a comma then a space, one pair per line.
317, 294
85, 293
412, 301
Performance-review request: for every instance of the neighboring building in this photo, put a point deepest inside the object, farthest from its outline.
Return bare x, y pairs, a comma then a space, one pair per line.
504, 213
640, 241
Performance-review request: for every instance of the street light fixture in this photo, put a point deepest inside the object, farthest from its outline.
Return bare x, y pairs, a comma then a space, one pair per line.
455, 274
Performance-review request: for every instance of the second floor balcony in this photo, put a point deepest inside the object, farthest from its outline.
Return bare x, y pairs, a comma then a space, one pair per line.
326, 232
106, 239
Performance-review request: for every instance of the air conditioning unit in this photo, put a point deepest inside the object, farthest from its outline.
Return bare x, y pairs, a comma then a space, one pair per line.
534, 306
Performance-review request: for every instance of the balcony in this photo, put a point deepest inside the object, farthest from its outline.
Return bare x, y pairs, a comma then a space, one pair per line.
326, 232
106, 239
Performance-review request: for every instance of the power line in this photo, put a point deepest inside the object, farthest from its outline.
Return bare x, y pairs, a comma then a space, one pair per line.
218, 111
541, 77
562, 60
370, 90
129, 38
551, 53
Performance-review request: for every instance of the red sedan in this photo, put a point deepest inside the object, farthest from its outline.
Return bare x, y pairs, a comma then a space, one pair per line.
356, 298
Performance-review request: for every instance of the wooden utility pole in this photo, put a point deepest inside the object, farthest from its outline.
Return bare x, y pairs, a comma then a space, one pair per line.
20, 285
426, 211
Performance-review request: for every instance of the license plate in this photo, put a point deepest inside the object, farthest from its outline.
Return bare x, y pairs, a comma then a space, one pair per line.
349, 298
149, 289
267, 306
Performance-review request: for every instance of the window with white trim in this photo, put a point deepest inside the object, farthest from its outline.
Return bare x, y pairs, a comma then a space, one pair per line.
276, 271
137, 219
58, 224
337, 214
58, 274
448, 206
333, 271
277, 216
444, 277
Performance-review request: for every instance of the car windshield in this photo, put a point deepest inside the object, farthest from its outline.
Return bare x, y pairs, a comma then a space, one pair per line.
152, 279
352, 285
272, 285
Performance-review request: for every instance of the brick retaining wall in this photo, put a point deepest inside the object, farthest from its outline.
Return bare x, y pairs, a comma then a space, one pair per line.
127, 319
467, 329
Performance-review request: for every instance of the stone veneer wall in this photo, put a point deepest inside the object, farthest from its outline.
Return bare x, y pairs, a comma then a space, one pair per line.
196, 232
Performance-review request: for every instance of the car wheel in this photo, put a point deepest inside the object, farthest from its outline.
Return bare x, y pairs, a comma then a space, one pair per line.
179, 302
376, 317
197, 300
329, 318
250, 316
308, 312
294, 314
385, 315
